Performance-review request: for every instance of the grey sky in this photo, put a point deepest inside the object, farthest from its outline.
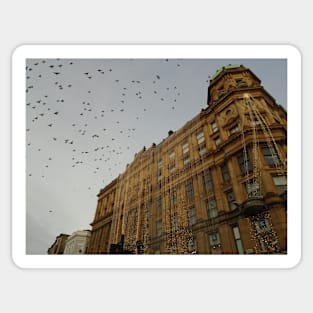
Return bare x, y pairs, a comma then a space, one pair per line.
87, 118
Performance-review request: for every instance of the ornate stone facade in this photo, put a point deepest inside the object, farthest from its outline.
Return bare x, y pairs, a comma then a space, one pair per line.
217, 185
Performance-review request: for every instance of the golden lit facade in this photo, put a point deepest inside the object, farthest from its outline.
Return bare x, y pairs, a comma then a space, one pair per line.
218, 185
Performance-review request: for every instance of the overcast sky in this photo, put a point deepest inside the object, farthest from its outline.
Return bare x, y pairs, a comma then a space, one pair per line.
86, 118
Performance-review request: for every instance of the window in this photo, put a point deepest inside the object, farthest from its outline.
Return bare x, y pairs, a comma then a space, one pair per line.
253, 188
173, 198
231, 200
270, 156
158, 228
185, 147
200, 137
221, 92
225, 173
228, 112
241, 83
207, 181
160, 164
186, 160
172, 169
234, 129
159, 176
214, 127
172, 156
262, 225
159, 206
211, 208
174, 222
192, 245
256, 121
238, 240
202, 150
218, 141
215, 243
189, 189
280, 183
244, 164
192, 218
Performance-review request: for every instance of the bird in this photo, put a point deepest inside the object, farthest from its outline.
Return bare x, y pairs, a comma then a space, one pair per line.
56, 73
50, 211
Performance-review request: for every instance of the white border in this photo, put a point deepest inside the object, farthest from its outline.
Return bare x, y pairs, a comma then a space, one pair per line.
24, 52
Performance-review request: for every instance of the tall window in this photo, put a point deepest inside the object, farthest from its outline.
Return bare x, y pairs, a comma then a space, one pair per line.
231, 200
159, 228
244, 164
207, 181
200, 137
225, 173
202, 150
270, 156
280, 182
214, 127
159, 206
215, 243
186, 160
211, 207
185, 147
172, 156
238, 241
192, 245
173, 198
234, 129
160, 164
189, 189
218, 141
192, 218
174, 222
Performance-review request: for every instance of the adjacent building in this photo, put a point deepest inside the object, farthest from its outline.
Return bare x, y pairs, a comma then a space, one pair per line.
218, 185
58, 245
77, 243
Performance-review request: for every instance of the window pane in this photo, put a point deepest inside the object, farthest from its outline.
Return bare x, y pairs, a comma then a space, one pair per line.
189, 189
211, 207
214, 127
185, 147
172, 156
200, 138
270, 156
240, 246
225, 173
192, 216
236, 232
244, 164
207, 181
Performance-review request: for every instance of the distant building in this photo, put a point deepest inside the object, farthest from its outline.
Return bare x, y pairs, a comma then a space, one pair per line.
218, 185
77, 243
59, 244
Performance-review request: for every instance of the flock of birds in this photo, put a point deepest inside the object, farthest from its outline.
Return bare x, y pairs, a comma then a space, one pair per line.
64, 109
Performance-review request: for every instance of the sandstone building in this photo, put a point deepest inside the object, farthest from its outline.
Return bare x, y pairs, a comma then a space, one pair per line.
218, 185
58, 245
